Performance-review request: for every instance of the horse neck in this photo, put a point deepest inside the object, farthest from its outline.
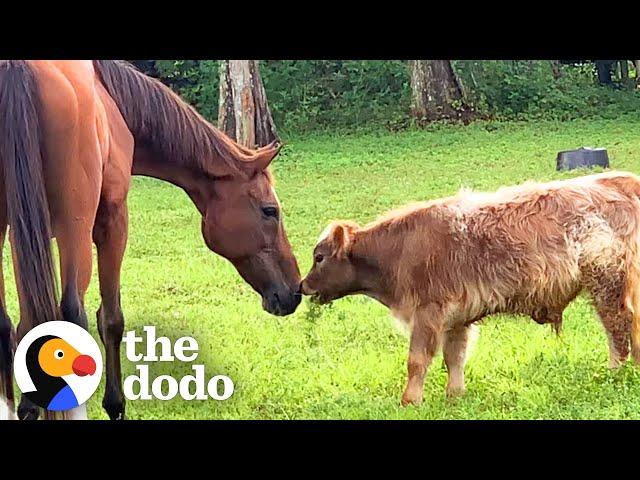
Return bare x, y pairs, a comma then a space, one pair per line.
149, 164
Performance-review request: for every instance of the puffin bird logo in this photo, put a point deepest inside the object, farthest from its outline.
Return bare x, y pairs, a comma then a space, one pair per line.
58, 365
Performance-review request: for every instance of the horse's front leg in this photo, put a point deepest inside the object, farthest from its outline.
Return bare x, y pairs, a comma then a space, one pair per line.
110, 237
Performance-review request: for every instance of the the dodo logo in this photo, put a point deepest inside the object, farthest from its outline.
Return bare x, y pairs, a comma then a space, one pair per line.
58, 365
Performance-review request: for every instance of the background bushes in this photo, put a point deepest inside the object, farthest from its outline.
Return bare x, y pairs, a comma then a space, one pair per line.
526, 89
324, 94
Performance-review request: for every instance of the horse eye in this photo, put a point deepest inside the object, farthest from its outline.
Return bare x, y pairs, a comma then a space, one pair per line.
318, 258
58, 354
270, 211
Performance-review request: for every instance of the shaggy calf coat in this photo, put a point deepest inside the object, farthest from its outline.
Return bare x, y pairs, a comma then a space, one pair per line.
530, 249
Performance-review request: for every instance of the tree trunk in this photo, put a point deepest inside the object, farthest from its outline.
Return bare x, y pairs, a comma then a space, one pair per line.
603, 68
436, 91
243, 112
636, 63
555, 69
624, 71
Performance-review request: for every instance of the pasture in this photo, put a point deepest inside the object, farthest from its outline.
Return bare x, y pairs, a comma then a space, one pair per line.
347, 360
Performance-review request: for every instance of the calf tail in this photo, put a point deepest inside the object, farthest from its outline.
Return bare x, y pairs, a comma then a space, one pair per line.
632, 299
632, 293
630, 185
633, 305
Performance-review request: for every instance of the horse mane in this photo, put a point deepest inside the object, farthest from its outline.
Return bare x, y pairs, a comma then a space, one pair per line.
161, 120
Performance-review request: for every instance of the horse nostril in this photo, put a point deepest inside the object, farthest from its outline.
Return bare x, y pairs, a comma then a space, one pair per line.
275, 295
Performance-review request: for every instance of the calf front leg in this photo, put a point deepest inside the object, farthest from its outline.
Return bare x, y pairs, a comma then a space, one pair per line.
425, 338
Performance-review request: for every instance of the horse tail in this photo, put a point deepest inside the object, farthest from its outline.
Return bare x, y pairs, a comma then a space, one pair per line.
27, 206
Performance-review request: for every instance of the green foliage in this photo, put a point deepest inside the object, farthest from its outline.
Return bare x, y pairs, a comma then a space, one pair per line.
196, 81
307, 95
527, 89
312, 94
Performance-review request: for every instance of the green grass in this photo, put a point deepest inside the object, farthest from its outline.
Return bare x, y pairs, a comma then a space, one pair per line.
347, 360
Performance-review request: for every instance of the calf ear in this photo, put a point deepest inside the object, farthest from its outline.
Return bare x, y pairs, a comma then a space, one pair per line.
342, 238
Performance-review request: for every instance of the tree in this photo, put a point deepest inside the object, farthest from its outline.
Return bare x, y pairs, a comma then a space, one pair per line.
243, 112
624, 71
556, 71
436, 91
148, 67
603, 68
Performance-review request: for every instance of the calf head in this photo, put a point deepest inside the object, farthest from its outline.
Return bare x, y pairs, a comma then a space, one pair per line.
333, 274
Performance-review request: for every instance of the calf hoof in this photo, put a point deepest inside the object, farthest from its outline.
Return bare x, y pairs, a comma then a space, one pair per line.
614, 364
616, 360
411, 398
454, 391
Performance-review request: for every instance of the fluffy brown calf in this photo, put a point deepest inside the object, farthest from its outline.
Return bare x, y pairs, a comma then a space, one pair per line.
442, 265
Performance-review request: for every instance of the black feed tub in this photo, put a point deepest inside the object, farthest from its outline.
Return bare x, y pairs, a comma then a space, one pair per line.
582, 157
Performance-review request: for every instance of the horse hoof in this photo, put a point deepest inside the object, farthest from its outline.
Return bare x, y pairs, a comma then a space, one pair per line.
116, 415
114, 408
28, 412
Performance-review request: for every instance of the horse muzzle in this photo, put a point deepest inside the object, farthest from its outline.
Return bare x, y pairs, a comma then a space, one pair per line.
281, 302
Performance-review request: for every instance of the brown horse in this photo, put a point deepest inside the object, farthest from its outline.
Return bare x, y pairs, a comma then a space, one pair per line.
71, 135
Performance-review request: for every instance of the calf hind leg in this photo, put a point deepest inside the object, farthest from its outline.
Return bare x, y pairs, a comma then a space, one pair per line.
618, 328
455, 350
616, 319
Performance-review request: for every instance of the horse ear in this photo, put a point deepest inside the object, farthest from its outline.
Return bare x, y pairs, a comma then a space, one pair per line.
342, 238
262, 157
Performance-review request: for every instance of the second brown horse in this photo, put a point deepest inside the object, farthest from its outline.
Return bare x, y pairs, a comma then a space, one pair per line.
71, 135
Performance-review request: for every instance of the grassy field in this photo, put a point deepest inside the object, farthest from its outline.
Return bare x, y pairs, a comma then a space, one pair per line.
347, 360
